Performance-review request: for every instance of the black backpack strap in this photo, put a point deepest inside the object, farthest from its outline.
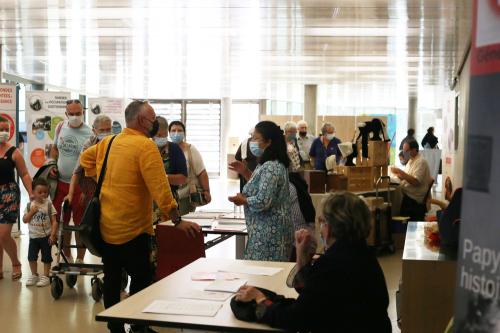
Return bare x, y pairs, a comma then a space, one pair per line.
103, 170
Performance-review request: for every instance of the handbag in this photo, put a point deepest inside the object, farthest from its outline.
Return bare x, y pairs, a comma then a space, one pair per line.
90, 230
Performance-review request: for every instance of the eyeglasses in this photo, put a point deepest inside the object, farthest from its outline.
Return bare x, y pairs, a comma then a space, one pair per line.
73, 101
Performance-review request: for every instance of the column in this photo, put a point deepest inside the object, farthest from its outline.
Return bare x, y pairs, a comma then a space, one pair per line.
412, 112
225, 122
310, 106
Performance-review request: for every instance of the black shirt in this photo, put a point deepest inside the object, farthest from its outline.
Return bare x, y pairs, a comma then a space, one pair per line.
7, 166
344, 291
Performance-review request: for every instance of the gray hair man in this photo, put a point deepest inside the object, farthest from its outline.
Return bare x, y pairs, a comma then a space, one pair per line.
304, 141
324, 146
292, 147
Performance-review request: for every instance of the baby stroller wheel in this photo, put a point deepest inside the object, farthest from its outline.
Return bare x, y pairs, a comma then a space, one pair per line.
71, 280
56, 287
97, 285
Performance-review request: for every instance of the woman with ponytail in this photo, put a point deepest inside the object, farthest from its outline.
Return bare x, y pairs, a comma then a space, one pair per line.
266, 196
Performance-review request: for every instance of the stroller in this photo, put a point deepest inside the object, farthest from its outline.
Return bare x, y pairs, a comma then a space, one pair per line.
72, 270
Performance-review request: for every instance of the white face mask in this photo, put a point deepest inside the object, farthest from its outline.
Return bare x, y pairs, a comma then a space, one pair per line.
4, 137
75, 121
330, 136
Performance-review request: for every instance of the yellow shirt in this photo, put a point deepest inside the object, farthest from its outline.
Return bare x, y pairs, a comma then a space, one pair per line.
134, 177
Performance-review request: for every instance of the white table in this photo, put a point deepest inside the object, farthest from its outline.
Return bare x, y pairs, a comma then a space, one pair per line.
174, 285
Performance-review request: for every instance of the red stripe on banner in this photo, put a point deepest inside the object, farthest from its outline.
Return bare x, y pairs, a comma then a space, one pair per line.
485, 59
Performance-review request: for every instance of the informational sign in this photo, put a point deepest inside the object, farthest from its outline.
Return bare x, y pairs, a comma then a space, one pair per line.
8, 108
44, 110
477, 297
114, 108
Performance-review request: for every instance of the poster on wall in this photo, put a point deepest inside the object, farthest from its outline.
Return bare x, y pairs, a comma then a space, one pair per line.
111, 107
44, 110
8, 109
477, 295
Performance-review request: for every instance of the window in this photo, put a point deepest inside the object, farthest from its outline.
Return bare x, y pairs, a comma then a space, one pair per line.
171, 110
203, 131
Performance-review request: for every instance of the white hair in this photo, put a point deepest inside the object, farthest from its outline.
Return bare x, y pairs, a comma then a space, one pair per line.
302, 122
100, 119
290, 125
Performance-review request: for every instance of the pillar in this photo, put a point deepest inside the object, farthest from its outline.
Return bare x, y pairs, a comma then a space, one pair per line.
310, 107
412, 112
225, 123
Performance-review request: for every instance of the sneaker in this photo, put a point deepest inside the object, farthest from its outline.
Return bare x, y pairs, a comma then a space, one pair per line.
32, 280
43, 281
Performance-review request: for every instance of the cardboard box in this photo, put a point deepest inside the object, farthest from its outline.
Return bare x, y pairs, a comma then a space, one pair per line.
358, 178
316, 179
336, 183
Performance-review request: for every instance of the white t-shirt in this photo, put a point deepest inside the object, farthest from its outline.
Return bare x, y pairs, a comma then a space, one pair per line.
419, 169
40, 225
196, 164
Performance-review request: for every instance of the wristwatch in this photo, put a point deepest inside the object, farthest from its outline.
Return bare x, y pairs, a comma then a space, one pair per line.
177, 220
261, 308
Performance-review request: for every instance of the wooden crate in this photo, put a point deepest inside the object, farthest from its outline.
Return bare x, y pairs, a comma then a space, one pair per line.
358, 178
336, 183
377, 154
316, 179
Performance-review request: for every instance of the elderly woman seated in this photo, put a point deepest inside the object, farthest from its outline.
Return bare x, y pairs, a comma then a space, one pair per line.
344, 290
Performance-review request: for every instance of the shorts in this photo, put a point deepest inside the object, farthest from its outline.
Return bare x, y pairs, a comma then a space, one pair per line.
77, 208
9, 203
40, 245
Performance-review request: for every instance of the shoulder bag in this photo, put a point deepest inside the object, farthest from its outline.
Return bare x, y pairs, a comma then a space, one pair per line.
90, 231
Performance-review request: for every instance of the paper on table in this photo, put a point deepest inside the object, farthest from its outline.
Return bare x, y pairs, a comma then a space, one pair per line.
183, 307
225, 227
206, 295
231, 221
254, 270
225, 286
210, 276
201, 222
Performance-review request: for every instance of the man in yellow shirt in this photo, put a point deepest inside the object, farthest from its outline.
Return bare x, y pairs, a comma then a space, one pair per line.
134, 178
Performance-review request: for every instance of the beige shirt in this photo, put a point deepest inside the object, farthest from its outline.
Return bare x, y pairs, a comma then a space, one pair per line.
418, 168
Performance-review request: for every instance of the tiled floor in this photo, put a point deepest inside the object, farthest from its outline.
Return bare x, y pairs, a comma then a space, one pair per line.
32, 309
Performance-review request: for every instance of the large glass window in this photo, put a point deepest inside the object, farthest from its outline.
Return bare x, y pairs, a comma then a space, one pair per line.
203, 131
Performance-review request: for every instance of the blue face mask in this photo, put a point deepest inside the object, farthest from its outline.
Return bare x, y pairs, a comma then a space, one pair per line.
255, 149
161, 142
102, 135
177, 137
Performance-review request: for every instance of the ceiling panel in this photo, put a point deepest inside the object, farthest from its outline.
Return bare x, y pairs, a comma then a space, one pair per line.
209, 48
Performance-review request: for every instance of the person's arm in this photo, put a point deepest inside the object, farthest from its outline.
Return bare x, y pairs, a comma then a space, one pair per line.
28, 214
200, 172
155, 178
203, 179
441, 204
22, 171
312, 154
88, 161
53, 229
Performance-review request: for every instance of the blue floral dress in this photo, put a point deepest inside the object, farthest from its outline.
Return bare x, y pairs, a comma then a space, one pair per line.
270, 229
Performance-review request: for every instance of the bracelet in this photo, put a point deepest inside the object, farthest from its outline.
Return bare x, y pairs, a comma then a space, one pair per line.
177, 220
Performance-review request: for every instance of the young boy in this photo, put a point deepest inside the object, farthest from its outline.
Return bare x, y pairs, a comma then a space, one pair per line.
41, 216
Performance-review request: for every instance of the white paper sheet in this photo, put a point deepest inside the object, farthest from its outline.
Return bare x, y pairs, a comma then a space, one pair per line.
230, 221
211, 276
184, 307
253, 270
206, 295
225, 286
232, 227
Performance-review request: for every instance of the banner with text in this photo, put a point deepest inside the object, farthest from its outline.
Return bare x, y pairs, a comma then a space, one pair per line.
114, 108
8, 109
477, 296
44, 110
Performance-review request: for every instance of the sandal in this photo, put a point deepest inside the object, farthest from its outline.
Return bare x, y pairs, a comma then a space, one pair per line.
16, 275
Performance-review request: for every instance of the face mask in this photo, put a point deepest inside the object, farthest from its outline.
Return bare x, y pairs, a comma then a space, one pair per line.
4, 136
407, 156
160, 142
290, 137
255, 149
154, 129
302, 134
103, 135
330, 136
177, 137
75, 121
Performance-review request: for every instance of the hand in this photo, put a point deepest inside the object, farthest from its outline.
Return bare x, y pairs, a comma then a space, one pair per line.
238, 167
52, 239
190, 228
239, 199
54, 173
33, 208
305, 243
249, 293
207, 196
68, 198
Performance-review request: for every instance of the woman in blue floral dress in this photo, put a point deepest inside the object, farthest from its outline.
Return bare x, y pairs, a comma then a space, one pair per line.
266, 196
